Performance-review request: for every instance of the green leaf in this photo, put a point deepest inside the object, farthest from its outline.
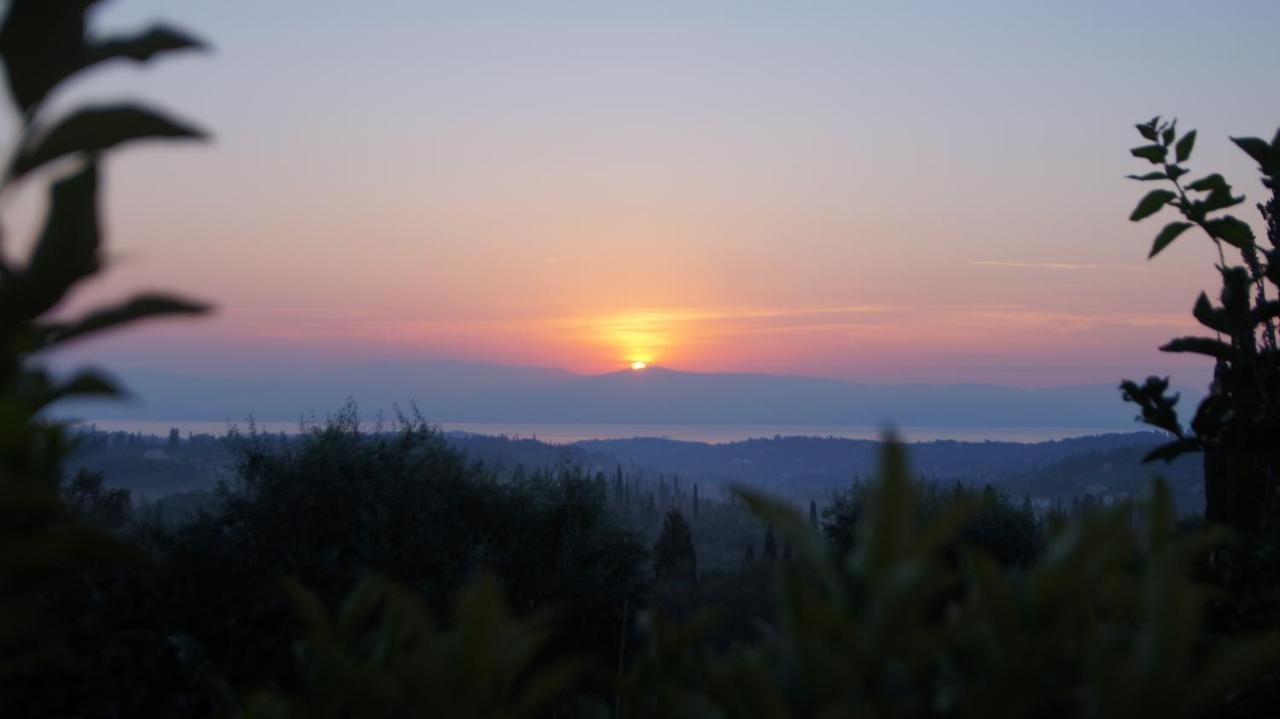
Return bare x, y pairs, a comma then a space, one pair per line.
1169, 133
138, 308
1182, 151
1148, 130
1230, 230
1167, 236
1156, 175
1201, 345
1261, 152
1151, 204
96, 129
1155, 154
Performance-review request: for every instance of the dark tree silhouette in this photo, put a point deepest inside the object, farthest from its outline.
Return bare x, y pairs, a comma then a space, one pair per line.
674, 557
770, 545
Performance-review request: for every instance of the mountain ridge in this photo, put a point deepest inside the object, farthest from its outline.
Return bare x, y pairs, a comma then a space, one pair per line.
457, 391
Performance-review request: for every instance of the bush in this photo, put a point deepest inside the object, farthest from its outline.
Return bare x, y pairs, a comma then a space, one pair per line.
1105, 623
338, 505
1011, 535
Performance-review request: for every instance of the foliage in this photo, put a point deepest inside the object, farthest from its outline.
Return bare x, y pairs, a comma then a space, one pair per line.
44, 43
674, 558
341, 503
1237, 423
1106, 623
1010, 534
949, 609
86, 496
383, 655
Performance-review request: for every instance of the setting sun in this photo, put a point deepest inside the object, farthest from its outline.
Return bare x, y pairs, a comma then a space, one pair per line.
637, 365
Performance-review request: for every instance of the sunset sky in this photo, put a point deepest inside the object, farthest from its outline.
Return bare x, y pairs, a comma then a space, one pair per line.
882, 192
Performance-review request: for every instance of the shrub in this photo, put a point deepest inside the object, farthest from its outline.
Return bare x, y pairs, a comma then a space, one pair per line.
1237, 423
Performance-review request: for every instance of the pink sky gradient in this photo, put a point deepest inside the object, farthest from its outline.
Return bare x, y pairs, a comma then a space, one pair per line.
883, 195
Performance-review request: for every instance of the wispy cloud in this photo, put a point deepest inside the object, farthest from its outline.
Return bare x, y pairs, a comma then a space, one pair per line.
1057, 266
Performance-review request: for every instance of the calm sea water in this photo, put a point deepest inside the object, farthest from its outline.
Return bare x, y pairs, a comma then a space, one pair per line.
716, 434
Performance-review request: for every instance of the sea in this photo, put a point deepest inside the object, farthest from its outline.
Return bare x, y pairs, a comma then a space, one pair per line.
711, 434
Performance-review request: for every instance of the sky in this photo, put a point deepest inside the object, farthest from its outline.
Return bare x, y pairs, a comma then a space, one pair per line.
880, 192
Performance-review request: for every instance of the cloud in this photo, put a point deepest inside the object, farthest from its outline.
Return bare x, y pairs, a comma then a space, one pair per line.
1057, 266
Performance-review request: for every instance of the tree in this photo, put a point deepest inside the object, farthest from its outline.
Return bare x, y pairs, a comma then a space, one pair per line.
770, 545
674, 558
813, 514
87, 497
1236, 425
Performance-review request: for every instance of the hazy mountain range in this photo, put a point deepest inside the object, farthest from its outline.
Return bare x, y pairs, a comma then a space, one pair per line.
450, 391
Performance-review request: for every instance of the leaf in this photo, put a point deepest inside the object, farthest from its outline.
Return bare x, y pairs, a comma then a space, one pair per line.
44, 43
1230, 230
143, 46
1156, 175
1262, 153
87, 384
1148, 130
65, 253
1158, 408
1169, 133
1267, 311
1209, 183
1155, 154
1209, 316
99, 128
1182, 150
1172, 450
1200, 345
138, 308
1151, 204
1167, 236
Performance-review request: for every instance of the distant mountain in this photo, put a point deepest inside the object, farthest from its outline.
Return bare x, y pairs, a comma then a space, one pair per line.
819, 462
797, 468
448, 391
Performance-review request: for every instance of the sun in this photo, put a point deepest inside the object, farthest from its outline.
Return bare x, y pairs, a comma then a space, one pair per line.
638, 365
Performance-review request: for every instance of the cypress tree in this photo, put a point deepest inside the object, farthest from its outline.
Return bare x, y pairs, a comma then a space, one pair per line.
674, 557
770, 545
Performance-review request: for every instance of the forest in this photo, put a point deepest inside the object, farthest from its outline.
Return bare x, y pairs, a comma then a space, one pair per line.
388, 571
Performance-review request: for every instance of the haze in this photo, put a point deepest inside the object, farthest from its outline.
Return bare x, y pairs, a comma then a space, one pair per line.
873, 192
